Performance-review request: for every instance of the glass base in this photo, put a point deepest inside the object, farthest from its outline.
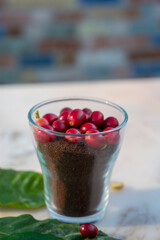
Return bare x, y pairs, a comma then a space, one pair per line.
92, 218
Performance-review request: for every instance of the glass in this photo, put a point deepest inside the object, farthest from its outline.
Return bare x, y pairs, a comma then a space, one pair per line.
76, 175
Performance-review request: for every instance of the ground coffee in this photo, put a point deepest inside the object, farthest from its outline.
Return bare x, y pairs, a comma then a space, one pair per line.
77, 174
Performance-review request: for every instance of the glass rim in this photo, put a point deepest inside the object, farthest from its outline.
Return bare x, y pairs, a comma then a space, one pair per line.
98, 100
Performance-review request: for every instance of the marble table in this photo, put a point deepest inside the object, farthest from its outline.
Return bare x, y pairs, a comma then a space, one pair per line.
134, 212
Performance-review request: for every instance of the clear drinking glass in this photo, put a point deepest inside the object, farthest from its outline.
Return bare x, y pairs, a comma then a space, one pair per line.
76, 175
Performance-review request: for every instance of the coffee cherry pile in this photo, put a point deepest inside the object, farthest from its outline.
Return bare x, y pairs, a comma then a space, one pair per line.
78, 121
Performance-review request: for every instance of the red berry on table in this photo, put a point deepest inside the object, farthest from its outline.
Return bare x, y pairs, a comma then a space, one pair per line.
51, 117
64, 116
42, 121
72, 138
66, 109
112, 138
76, 118
97, 118
44, 136
87, 126
88, 230
110, 122
88, 113
95, 141
60, 126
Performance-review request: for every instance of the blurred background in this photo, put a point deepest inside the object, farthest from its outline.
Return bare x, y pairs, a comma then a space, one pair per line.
73, 40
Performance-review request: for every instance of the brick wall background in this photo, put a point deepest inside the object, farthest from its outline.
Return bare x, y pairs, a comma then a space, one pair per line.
61, 40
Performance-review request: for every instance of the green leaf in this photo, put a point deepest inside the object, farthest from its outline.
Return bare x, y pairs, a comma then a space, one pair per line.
27, 224
30, 236
21, 189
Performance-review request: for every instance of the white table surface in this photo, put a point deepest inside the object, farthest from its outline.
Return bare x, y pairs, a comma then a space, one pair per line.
134, 212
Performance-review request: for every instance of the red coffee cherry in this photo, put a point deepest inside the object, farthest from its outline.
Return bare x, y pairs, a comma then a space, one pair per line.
95, 141
76, 118
87, 126
64, 116
60, 126
42, 121
66, 109
72, 138
50, 117
112, 138
110, 122
44, 136
88, 230
88, 113
97, 118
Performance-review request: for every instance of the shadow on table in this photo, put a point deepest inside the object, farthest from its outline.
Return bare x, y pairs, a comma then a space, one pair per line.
130, 207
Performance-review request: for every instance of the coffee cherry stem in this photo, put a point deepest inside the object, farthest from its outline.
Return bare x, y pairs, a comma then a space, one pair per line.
37, 114
105, 146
